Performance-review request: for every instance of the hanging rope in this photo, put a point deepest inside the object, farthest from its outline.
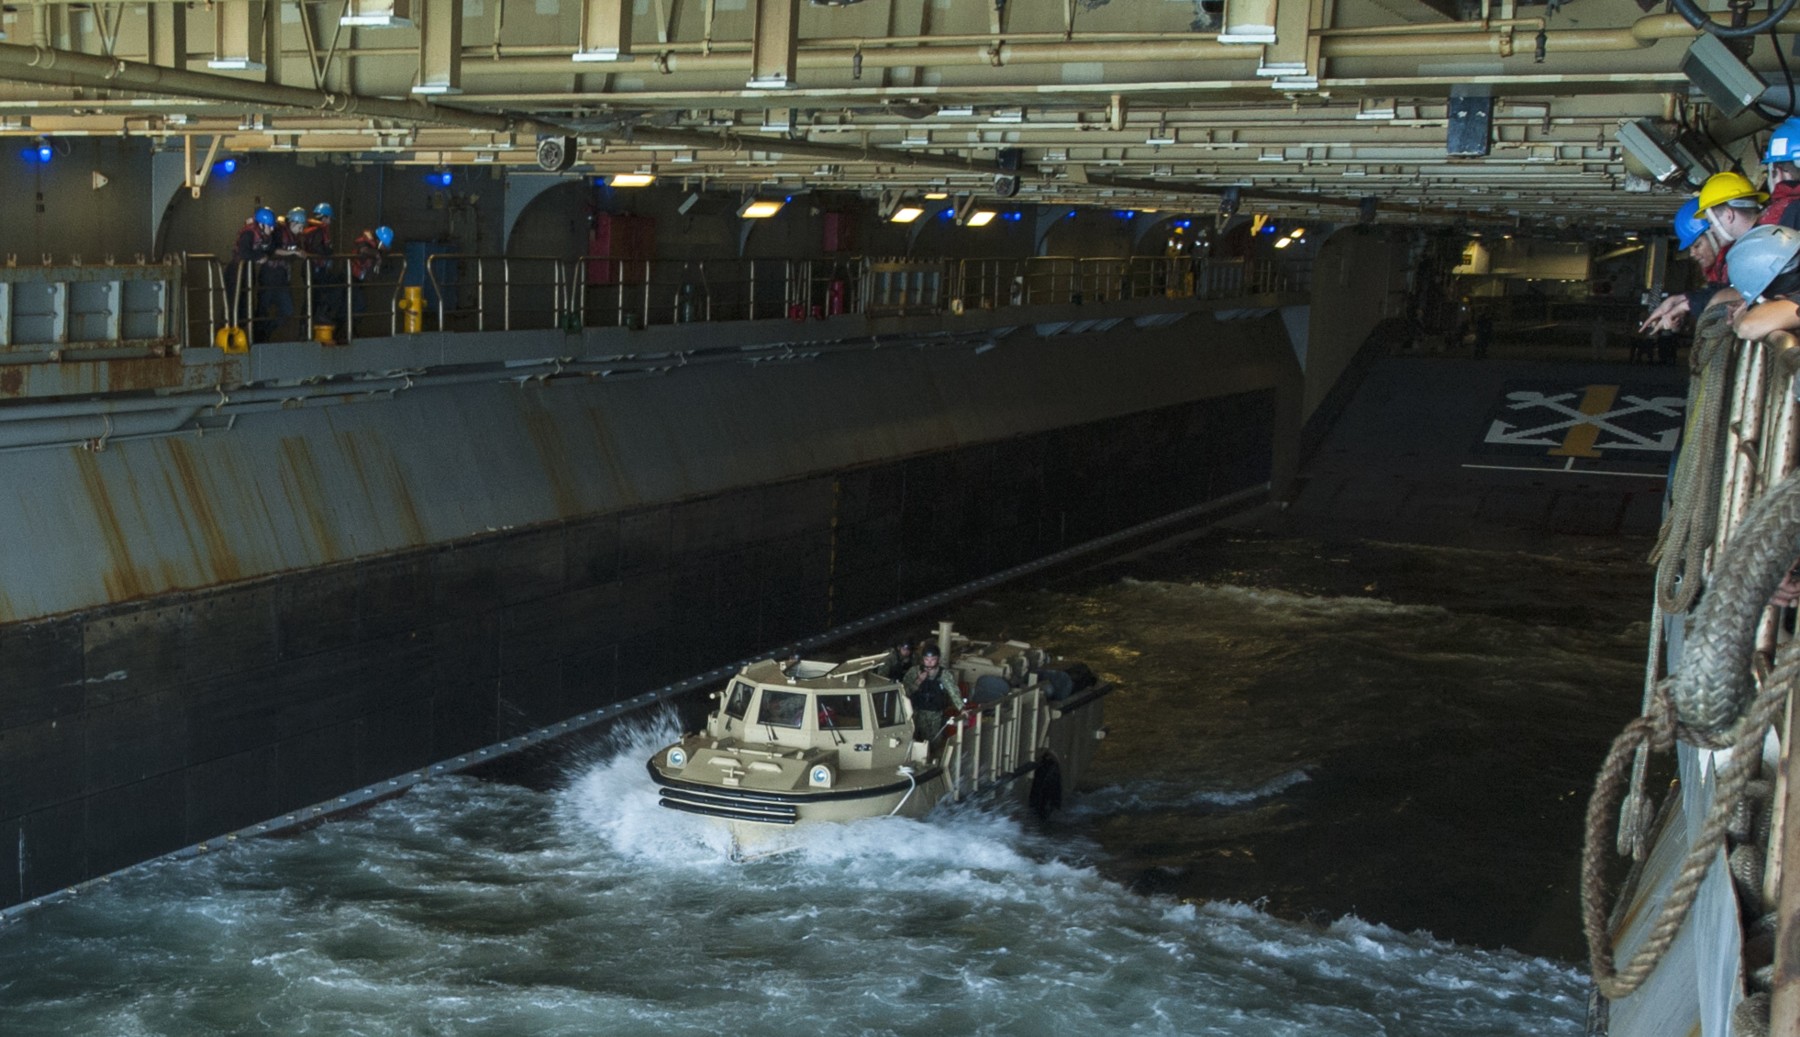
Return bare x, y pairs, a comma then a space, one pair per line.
1635, 814
1658, 731
1688, 529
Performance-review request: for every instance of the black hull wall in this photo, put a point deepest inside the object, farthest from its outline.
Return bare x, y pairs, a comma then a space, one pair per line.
133, 728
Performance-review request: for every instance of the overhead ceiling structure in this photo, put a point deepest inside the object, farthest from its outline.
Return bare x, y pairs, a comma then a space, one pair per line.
1442, 111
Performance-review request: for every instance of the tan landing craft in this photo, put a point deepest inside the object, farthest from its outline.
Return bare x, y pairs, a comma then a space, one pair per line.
835, 741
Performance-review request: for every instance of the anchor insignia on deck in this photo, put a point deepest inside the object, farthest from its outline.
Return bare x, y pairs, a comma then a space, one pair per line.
1584, 416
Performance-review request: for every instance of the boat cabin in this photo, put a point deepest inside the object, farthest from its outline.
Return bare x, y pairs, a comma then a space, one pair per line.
864, 717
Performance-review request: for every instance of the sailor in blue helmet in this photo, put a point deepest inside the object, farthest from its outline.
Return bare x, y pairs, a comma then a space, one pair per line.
1764, 267
250, 251
322, 215
1693, 238
370, 248
324, 278
1783, 183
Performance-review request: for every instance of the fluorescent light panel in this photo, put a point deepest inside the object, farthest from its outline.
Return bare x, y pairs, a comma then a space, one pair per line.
760, 208
981, 217
906, 214
632, 179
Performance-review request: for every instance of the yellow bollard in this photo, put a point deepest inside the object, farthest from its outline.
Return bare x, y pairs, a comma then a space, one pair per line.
325, 334
231, 339
412, 309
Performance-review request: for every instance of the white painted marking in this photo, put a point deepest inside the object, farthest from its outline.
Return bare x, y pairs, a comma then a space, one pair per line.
1566, 470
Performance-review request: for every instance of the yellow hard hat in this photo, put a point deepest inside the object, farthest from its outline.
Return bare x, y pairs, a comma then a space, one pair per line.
1726, 187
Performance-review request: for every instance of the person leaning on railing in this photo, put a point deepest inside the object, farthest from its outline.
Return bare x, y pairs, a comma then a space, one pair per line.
1764, 267
254, 244
1692, 240
1730, 205
327, 291
371, 248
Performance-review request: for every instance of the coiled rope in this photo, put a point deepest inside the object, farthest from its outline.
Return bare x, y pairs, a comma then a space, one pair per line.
1714, 683
1693, 518
1659, 731
1713, 702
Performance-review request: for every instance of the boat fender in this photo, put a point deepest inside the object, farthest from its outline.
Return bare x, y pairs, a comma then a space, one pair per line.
1046, 794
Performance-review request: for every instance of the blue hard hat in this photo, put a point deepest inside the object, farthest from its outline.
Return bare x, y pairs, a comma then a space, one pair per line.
322, 210
1760, 256
385, 235
296, 215
1784, 142
1688, 224
265, 216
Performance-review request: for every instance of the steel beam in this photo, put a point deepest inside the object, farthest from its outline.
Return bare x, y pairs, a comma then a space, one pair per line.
238, 35
440, 47
774, 48
605, 30
167, 31
378, 14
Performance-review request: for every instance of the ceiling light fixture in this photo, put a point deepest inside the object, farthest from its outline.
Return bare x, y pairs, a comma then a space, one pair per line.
906, 214
760, 208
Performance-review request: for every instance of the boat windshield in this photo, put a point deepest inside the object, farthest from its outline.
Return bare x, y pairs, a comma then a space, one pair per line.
887, 706
781, 708
840, 712
738, 703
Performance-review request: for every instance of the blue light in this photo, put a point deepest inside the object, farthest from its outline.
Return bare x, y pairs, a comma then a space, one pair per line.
1269, 227
1013, 215
1071, 214
225, 167
1125, 214
45, 152
441, 178
946, 214
1184, 224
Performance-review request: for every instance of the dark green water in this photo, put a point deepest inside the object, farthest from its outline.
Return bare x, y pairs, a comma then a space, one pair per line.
1341, 796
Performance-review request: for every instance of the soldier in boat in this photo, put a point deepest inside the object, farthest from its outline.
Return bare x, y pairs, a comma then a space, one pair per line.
932, 690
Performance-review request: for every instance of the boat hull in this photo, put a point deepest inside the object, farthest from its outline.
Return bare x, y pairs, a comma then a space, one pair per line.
896, 794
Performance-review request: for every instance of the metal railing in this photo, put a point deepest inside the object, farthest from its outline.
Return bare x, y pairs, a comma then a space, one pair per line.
992, 743
218, 295
469, 292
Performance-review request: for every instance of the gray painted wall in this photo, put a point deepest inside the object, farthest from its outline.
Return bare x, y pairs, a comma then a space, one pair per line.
291, 488
1359, 280
377, 586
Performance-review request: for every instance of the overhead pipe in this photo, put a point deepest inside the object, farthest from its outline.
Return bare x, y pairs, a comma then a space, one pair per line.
72, 68
1644, 32
69, 68
1007, 53
1411, 40
1403, 40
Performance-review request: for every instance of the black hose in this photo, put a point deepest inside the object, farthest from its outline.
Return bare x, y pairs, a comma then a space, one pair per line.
1786, 73
1699, 20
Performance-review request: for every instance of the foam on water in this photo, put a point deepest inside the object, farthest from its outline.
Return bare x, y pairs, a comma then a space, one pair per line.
472, 908
1254, 727
1158, 796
